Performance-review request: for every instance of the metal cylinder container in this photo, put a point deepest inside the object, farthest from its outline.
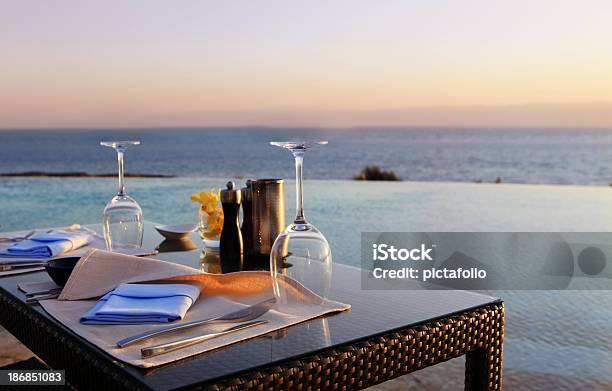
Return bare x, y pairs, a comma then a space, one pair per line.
268, 213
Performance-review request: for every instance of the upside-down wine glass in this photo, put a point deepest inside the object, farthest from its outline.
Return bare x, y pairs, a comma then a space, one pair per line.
122, 218
300, 252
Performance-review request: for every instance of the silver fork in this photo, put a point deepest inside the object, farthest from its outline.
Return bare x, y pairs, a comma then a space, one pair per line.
36, 299
21, 238
45, 292
18, 238
156, 350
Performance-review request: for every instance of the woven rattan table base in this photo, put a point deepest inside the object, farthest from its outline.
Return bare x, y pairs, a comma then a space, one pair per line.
477, 333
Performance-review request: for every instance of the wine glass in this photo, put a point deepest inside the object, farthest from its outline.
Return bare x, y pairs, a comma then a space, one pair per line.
300, 252
122, 218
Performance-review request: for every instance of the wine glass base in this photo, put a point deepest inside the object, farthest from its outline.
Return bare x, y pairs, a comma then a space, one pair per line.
297, 145
300, 227
119, 145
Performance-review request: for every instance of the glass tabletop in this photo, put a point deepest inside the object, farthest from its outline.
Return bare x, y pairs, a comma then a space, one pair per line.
372, 313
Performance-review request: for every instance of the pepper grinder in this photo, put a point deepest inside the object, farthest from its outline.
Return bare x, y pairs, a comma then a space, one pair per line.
230, 243
247, 219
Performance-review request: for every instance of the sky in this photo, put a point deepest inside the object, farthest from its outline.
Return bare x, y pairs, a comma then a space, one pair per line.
305, 63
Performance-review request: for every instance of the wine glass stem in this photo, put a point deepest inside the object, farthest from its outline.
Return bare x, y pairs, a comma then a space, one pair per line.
120, 163
299, 187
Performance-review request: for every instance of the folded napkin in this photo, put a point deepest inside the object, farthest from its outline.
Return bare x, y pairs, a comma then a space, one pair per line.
48, 245
99, 272
143, 304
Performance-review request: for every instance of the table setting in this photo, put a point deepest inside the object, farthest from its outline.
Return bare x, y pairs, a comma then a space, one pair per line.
32, 251
111, 297
128, 304
148, 312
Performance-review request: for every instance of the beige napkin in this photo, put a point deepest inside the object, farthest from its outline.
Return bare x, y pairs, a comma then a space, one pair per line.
99, 272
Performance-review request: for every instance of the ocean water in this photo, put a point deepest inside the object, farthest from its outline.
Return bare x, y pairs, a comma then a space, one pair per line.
551, 156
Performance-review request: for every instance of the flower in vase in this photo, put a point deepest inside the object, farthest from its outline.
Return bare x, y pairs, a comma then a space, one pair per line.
209, 200
211, 213
215, 223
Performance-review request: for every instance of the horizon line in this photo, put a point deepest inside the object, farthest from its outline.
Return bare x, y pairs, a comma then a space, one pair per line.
591, 114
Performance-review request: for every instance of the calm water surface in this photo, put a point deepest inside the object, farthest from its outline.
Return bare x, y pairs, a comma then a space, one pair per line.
567, 156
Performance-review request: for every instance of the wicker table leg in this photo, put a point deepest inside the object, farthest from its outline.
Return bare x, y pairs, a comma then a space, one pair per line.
85, 369
483, 366
478, 334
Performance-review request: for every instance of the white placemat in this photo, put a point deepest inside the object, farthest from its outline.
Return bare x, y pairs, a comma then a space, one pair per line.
99, 272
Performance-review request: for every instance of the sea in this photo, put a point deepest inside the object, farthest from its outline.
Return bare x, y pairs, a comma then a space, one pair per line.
537, 156
551, 180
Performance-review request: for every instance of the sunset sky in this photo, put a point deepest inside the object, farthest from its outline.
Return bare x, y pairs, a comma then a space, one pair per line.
322, 63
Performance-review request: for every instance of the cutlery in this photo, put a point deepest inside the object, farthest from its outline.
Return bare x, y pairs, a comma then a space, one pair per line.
36, 299
156, 350
45, 292
243, 315
23, 270
18, 238
4, 268
21, 238
22, 261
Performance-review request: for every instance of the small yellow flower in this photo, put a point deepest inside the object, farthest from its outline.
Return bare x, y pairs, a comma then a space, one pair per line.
209, 203
209, 200
196, 198
214, 223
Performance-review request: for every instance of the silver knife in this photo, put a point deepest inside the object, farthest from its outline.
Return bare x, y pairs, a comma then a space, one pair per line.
156, 350
36, 299
45, 292
243, 315
15, 266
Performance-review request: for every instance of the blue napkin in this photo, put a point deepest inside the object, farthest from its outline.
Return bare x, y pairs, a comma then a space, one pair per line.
48, 245
143, 304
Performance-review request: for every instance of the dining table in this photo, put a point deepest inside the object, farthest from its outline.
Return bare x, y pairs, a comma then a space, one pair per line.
384, 335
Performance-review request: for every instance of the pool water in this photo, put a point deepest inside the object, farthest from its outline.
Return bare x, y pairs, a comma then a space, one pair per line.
550, 334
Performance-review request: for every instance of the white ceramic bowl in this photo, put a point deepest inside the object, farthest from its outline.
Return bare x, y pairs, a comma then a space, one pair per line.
176, 231
211, 243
